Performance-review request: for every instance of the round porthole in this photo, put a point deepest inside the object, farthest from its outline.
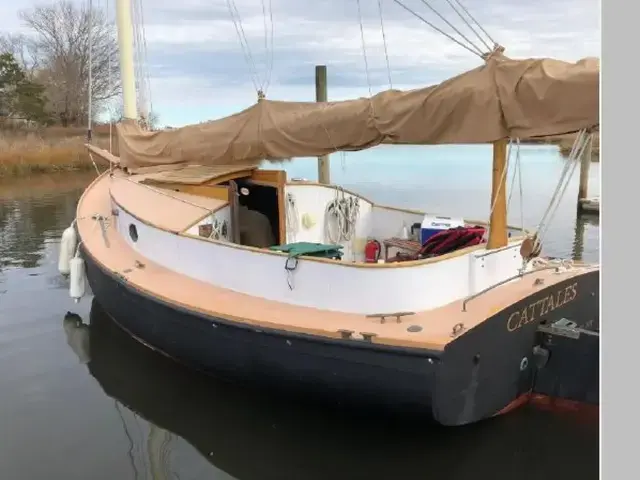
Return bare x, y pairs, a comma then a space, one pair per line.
133, 232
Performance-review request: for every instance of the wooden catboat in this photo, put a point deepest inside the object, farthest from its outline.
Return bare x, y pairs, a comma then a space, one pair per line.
176, 253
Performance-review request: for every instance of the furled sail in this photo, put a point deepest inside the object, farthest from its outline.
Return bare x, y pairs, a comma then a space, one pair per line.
502, 98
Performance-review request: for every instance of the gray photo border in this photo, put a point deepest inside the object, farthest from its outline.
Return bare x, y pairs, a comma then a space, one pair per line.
619, 184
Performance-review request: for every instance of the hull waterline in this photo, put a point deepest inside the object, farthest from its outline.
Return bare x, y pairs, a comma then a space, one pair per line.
251, 436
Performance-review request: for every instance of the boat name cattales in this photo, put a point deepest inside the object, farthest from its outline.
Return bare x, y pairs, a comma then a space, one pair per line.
534, 311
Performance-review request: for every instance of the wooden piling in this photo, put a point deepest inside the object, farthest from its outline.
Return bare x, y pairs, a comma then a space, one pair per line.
321, 96
585, 204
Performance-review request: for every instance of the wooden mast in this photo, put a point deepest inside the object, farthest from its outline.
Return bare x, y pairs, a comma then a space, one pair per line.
125, 47
498, 234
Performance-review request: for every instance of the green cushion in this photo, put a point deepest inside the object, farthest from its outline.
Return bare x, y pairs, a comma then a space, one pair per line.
299, 249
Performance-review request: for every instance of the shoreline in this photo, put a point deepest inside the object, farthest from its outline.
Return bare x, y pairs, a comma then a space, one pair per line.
36, 151
25, 152
565, 144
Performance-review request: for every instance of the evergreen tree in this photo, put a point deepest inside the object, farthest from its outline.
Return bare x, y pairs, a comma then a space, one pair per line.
19, 96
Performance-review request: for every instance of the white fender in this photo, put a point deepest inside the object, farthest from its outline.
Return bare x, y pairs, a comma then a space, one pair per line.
68, 242
76, 278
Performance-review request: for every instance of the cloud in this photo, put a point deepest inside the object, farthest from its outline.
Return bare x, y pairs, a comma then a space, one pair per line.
198, 69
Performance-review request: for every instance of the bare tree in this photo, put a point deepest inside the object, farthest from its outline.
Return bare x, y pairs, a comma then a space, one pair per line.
64, 35
150, 121
24, 50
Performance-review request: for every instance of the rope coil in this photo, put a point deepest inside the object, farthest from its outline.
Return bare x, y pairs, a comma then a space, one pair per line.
292, 218
341, 216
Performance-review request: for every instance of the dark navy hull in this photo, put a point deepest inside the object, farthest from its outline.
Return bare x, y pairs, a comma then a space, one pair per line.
259, 437
477, 376
338, 371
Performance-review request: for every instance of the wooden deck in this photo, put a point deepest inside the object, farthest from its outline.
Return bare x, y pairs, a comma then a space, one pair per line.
199, 175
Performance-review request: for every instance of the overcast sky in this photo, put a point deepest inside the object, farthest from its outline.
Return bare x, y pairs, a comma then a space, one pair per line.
198, 70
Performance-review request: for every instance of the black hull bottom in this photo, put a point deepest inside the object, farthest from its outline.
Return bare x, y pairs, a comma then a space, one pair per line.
257, 437
476, 377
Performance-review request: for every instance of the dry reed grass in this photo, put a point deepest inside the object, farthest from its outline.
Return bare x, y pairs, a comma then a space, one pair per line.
48, 150
25, 151
565, 144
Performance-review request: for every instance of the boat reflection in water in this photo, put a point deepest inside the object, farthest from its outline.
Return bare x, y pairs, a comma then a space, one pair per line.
252, 435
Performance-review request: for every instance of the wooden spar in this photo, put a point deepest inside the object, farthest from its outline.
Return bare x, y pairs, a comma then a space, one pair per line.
321, 96
125, 47
498, 235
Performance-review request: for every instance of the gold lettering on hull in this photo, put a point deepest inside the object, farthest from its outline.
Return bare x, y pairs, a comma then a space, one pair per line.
536, 310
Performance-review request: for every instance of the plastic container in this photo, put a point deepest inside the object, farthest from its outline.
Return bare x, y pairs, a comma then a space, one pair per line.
432, 224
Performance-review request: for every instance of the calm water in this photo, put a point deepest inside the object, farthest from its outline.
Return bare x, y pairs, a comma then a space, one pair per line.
80, 400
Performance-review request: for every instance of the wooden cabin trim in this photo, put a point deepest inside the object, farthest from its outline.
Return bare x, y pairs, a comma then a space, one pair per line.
278, 177
217, 180
278, 180
219, 192
234, 214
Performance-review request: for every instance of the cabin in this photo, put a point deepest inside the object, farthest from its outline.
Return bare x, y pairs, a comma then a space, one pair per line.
232, 226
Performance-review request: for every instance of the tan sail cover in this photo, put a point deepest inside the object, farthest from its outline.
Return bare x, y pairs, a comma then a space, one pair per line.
502, 98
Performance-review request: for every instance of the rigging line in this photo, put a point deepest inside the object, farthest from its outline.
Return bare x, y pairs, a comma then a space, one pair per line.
517, 170
364, 48
567, 173
242, 45
469, 25
437, 29
503, 180
588, 137
576, 144
384, 42
245, 48
270, 59
476, 22
271, 51
244, 36
266, 48
428, 5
